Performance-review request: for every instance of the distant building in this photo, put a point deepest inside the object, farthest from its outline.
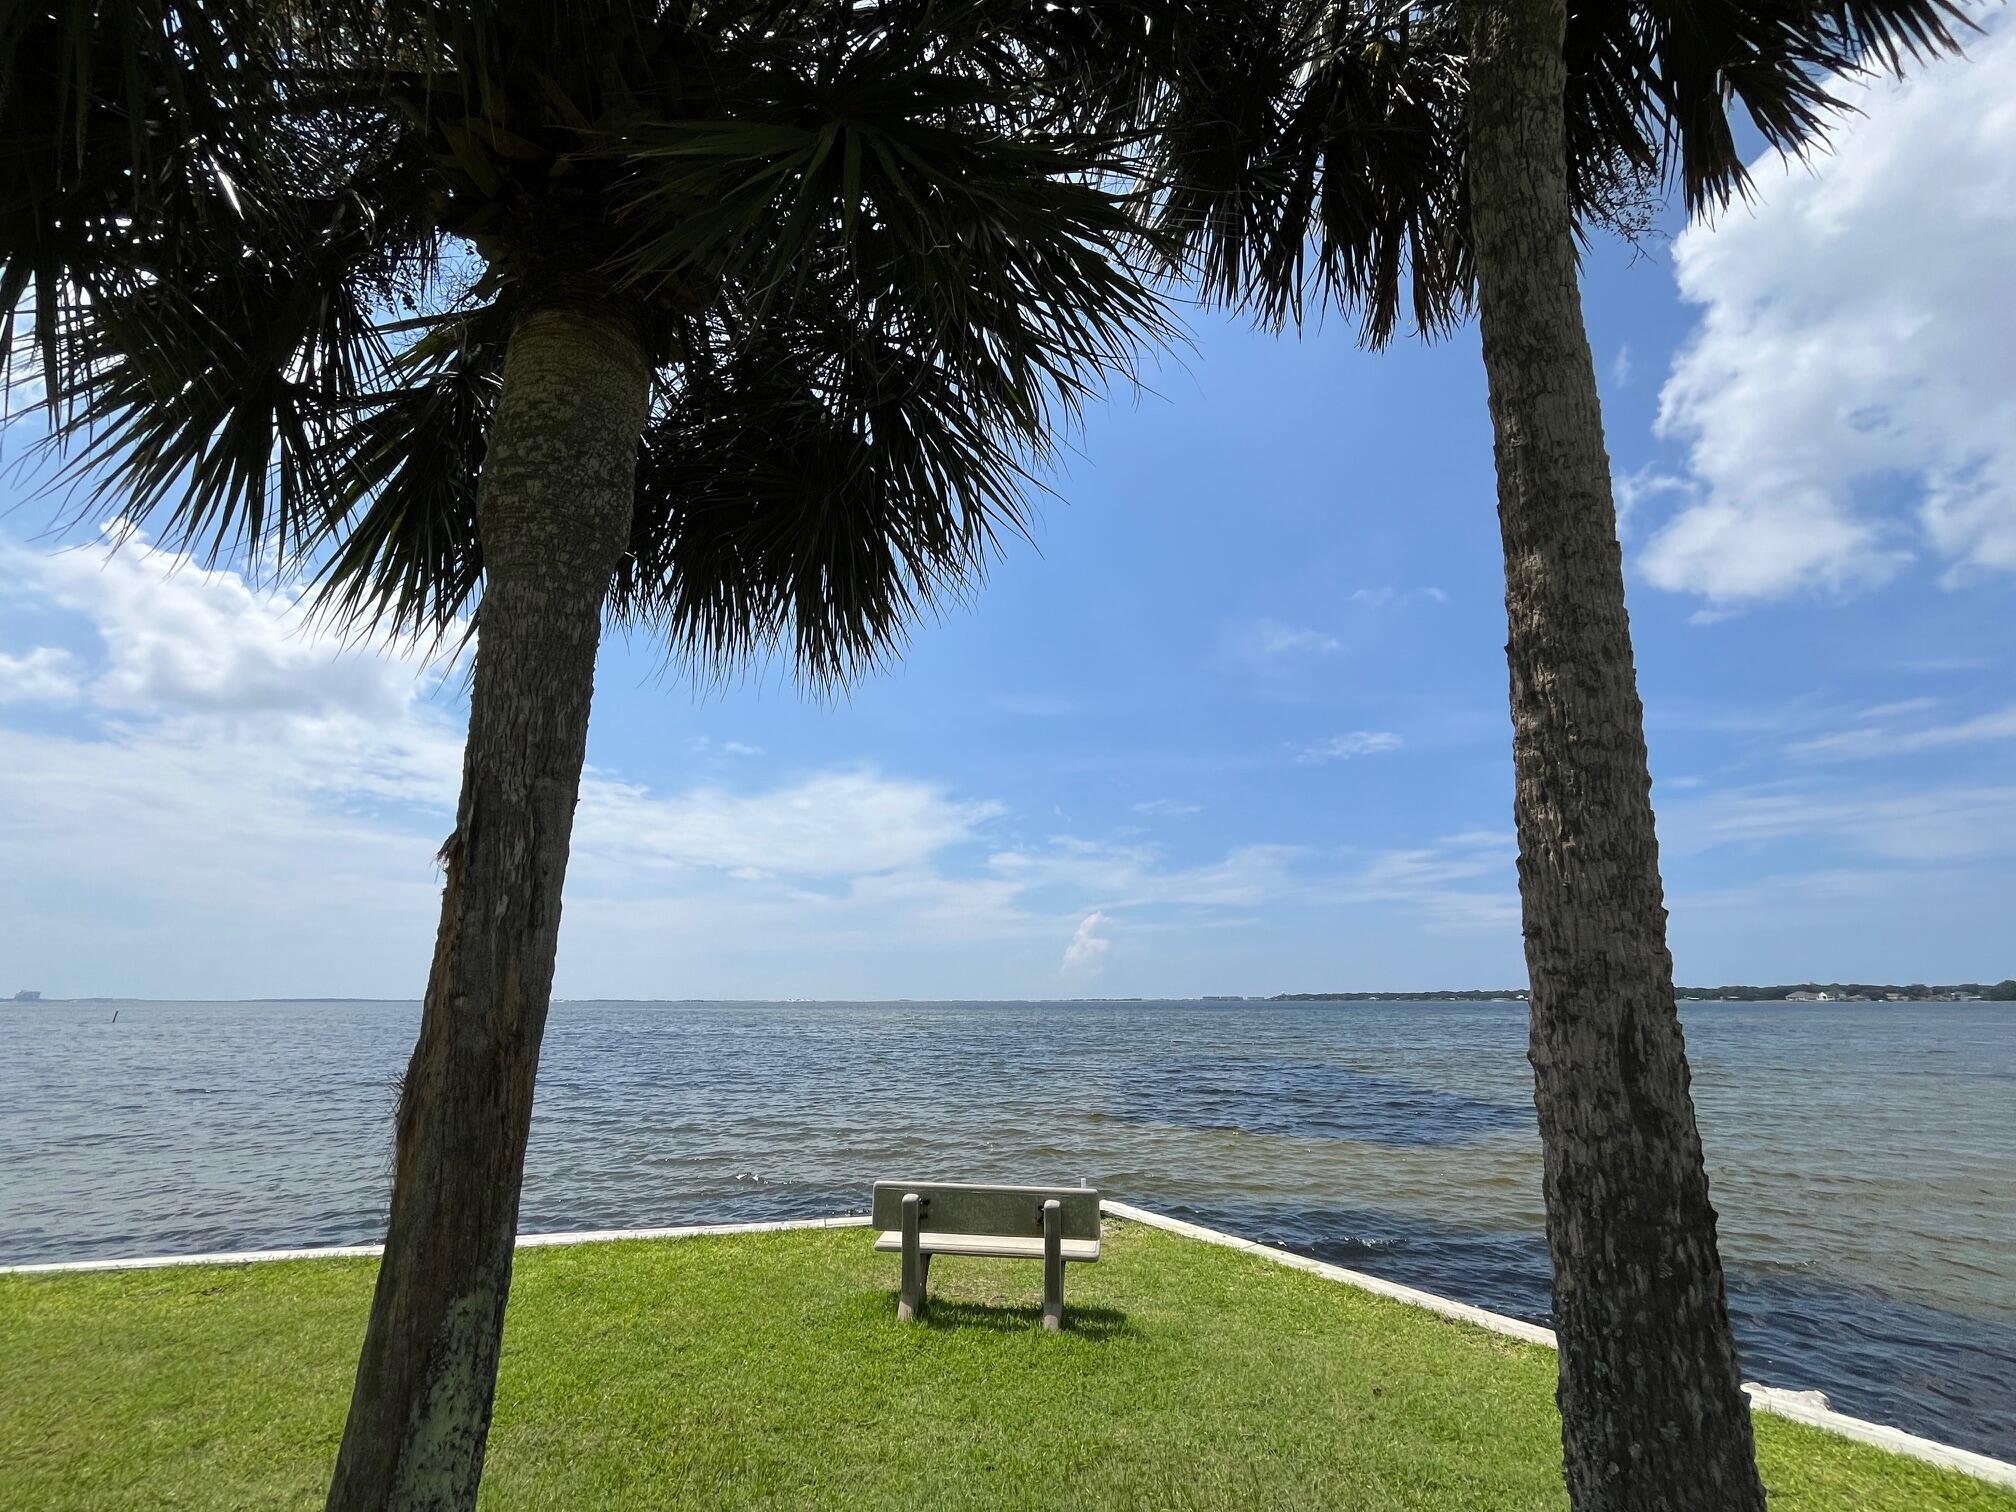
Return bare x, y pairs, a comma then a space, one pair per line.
26, 996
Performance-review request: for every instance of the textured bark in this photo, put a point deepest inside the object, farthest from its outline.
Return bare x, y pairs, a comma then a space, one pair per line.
1652, 1410
554, 513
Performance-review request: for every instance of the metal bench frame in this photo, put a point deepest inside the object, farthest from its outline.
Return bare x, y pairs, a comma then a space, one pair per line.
1050, 1211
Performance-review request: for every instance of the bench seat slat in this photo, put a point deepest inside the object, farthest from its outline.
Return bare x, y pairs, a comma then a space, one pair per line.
997, 1246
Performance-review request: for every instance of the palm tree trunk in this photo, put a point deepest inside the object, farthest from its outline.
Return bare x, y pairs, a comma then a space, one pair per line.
554, 515
1653, 1414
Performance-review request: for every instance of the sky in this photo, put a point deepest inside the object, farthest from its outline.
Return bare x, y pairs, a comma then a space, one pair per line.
1233, 722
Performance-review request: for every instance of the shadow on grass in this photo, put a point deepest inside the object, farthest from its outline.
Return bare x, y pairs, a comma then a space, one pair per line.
944, 1314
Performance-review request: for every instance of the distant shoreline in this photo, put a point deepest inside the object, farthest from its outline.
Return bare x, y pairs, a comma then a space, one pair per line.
1799, 993
1794, 992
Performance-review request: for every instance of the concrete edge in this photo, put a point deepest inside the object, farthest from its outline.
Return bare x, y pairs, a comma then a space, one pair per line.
1796, 1405
1799, 1406
1529, 1333
343, 1251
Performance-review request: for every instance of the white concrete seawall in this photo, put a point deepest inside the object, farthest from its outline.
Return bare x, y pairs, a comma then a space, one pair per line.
1803, 1407
1800, 1406
359, 1251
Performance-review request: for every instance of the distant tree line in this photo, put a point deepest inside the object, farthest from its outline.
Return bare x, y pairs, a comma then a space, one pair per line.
1481, 995
1999, 992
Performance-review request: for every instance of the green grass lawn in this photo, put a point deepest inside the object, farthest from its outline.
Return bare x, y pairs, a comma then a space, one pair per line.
769, 1370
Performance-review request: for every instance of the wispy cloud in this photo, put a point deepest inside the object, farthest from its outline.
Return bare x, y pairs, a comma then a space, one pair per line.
1117, 877
1896, 708
1392, 597
841, 824
1037, 705
1958, 822
1937, 665
1167, 808
1354, 743
1463, 881
707, 745
1269, 640
1884, 736
235, 802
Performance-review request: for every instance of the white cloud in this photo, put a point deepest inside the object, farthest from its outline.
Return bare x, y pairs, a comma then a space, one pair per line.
46, 674
1086, 954
1620, 366
237, 778
1355, 743
1882, 735
1849, 395
1466, 881
1271, 640
1935, 665
1896, 708
1134, 877
1037, 705
179, 640
1961, 822
1647, 486
1168, 808
239, 805
704, 745
1390, 597
829, 825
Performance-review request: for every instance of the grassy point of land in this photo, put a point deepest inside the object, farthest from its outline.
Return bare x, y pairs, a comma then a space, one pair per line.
768, 1370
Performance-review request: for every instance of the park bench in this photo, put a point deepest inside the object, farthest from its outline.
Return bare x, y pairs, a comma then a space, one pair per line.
919, 1219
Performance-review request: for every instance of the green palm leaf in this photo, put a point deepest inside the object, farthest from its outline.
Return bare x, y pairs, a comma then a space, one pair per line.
889, 224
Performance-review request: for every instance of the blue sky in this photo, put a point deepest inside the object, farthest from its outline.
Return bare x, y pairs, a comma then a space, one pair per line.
1234, 723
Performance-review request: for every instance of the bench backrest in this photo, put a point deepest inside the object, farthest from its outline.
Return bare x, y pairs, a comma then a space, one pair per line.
957, 1207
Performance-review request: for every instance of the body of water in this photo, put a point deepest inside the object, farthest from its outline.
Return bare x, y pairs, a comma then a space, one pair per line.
1863, 1157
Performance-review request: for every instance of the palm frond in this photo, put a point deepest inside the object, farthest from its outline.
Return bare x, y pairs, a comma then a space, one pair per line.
1373, 164
920, 271
814, 484
879, 251
1688, 62
1319, 147
405, 556
202, 391
120, 136
207, 278
1303, 150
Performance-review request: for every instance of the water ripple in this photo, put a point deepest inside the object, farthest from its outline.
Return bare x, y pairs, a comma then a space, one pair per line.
1859, 1155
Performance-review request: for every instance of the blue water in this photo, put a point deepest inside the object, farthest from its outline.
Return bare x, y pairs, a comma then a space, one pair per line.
1861, 1155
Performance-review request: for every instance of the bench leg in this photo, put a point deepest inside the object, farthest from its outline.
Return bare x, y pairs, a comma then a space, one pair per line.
1053, 1266
911, 1297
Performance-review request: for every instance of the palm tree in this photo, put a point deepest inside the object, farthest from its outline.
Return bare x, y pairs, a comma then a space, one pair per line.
1363, 150
744, 320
